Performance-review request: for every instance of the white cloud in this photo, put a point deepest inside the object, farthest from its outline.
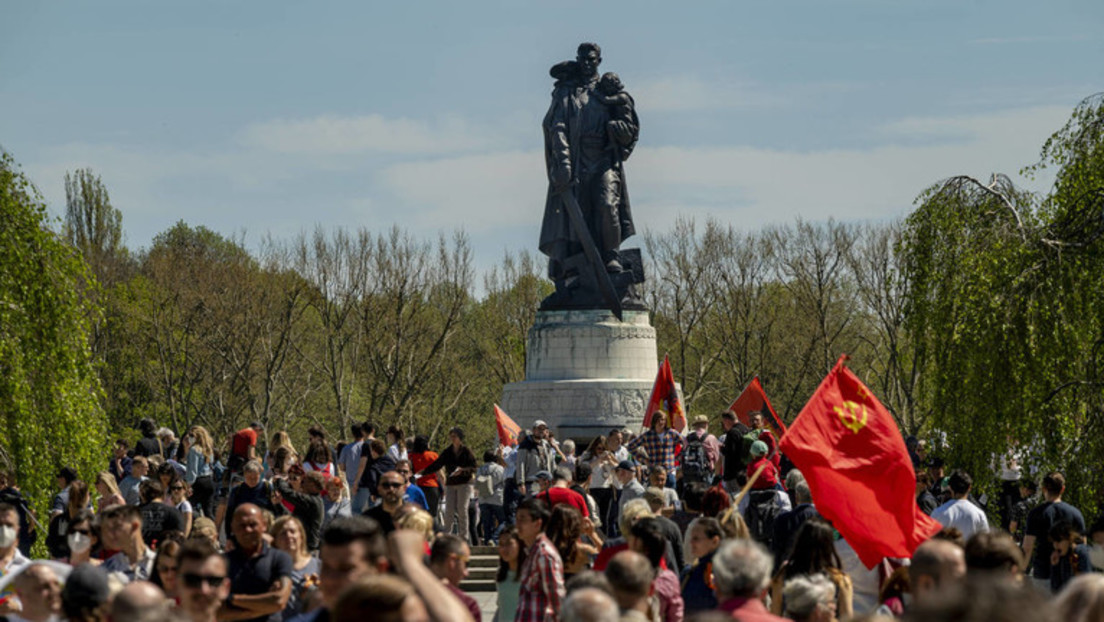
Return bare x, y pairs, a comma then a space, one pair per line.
373, 133
474, 192
748, 186
760, 186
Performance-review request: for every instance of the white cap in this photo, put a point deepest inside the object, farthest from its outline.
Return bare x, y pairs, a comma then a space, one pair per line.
540, 424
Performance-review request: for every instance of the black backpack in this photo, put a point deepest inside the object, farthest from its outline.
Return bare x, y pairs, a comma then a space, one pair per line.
694, 461
761, 512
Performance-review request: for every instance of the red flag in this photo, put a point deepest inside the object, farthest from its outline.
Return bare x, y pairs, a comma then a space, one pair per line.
755, 398
854, 459
665, 399
508, 431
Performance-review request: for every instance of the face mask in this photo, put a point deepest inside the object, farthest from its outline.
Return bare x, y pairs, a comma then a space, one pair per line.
78, 542
7, 536
1096, 555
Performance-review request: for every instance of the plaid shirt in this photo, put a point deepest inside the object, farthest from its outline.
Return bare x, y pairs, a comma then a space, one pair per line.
542, 583
662, 448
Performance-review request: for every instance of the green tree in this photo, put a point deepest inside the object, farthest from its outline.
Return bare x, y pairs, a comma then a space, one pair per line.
1005, 311
49, 391
92, 225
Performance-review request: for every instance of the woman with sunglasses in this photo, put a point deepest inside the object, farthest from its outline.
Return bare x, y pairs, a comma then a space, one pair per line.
179, 494
165, 568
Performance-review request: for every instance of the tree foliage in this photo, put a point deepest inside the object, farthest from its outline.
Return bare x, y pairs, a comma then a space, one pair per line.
1007, 313
50, 397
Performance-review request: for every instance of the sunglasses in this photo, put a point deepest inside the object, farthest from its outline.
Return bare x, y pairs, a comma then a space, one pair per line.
196, 581
85, 532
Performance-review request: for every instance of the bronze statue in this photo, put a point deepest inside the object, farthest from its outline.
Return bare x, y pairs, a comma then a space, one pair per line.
589, 131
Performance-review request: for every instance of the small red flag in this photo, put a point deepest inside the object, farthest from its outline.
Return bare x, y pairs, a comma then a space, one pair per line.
508, 431
854, 459
755, 398
665, 399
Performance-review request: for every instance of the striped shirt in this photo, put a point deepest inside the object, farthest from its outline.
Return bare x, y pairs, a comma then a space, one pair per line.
542, 583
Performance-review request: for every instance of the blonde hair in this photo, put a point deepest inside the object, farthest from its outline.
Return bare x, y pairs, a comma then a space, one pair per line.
733, 524
205, 527
203, 442
633, 511
107, 480
419, 521
281, 439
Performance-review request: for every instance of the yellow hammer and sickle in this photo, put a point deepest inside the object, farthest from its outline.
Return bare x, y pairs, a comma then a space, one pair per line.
852, 414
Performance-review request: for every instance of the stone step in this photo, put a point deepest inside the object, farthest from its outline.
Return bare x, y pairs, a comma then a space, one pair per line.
478, 586
484, 550
481, 574
483, 561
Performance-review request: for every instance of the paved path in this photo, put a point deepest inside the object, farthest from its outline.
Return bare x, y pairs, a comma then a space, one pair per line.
488, 604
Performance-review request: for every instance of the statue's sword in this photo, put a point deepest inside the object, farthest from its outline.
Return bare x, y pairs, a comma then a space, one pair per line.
601, 277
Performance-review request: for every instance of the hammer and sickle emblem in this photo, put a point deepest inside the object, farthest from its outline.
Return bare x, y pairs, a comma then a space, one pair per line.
852, 414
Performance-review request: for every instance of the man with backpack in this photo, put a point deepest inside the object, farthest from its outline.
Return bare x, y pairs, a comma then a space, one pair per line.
698, 459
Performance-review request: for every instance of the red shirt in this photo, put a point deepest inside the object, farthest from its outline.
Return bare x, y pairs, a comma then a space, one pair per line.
243, 440
607, 553
420, 461
768, 478
555, 496
468, 601
748, 610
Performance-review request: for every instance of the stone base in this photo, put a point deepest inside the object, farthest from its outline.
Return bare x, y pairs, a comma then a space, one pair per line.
585, 372
580, 409
591, 344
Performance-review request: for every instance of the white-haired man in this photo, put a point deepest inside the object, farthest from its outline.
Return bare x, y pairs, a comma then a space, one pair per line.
741, 576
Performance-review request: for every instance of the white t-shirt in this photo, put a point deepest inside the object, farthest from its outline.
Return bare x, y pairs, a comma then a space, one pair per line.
509, 456
396, 453
963, 515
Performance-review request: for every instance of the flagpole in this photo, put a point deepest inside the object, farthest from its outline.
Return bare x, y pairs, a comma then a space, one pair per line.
751, 482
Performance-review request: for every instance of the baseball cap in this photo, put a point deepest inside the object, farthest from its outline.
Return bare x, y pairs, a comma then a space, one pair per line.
759, 448
627, 465
700, 420
543, 475
540, 424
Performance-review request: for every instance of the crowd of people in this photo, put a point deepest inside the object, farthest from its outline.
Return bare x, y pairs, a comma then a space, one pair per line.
651, 526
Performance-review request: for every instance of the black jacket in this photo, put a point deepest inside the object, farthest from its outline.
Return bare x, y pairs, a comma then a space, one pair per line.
452, 459
309, 509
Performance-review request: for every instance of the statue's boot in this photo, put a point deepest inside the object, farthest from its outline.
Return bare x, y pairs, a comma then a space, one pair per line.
611, 241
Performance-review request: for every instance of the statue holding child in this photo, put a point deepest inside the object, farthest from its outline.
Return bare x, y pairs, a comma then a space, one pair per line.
590, 130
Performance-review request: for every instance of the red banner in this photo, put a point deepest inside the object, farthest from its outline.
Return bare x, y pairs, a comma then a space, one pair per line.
508, 431
665, 399
755, 398
853, 456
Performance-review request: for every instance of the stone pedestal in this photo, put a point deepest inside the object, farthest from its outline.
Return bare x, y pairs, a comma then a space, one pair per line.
585, 372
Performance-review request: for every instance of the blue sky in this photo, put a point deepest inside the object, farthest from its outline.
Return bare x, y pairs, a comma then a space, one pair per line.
263, 118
